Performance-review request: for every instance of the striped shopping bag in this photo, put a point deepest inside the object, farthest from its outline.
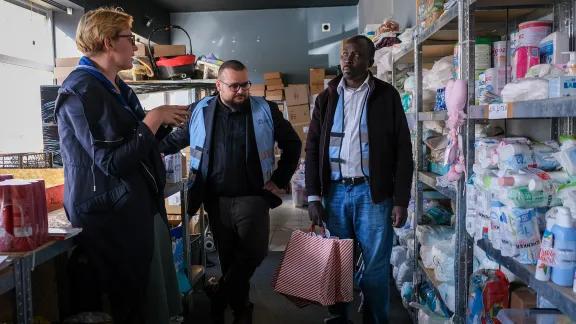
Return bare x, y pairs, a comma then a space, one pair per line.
316, 270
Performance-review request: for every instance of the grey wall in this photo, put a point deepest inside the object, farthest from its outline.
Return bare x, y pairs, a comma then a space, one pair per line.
375, 11
290, 41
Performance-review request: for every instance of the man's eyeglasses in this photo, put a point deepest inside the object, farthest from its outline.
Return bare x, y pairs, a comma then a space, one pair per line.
132, 37
234, 87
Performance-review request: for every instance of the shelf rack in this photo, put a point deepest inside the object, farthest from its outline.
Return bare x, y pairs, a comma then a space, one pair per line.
460, 25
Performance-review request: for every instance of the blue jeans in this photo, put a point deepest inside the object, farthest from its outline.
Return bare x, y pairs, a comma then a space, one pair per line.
350, 214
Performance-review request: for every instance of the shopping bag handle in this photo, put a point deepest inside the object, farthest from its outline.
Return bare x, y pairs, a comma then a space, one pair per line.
313, 227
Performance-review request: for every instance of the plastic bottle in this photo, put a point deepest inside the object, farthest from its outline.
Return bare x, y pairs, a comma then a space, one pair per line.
571, 65
564, 244
545, 256
549, 181
516, 180
494, 230
517, 156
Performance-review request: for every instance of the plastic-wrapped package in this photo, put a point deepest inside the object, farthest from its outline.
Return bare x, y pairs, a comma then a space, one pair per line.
523, 228
429, 235
484, 150
426, 316
438, 215
494, 229
426, 256
547, 71
398, 255
448, 293
404, 235
488, 294
482, 227
444, 271
484, 261
405, 274
525, 90
395, 272
487, 131
440, 251
515, 156
428, 297
406, 291
410, 251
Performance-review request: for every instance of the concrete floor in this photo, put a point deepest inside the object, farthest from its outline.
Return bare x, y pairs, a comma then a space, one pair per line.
271, 307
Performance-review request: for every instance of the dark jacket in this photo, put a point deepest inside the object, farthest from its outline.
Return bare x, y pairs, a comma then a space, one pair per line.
284, 134
114, 179
391, 162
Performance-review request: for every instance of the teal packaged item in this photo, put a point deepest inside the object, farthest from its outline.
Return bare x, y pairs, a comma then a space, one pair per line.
522, 197
438, 168
439, 215
428, 298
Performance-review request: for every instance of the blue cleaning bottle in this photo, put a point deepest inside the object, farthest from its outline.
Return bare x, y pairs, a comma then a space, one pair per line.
564, 245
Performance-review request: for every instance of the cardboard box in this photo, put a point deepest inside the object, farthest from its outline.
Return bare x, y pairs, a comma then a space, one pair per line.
299, 114
258, 87
297, 95
275, 87
257, 93
303, 152
172, 209
142, 50
270, 82
67, 61
63, 72
275, 95
301, 130
316, 88
272, 75
523, 298
169, 50
317, 76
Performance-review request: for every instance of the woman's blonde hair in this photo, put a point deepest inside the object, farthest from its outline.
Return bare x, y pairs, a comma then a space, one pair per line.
98, 25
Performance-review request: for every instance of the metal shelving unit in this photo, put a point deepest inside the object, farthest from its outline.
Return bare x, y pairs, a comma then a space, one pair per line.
461, 24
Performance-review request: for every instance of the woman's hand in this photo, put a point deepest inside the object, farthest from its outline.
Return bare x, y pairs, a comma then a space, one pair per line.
166, 115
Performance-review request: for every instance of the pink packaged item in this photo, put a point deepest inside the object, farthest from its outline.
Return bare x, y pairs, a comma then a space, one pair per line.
523, 59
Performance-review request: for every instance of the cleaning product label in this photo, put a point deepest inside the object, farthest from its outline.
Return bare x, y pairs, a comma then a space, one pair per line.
564, 258
546, 254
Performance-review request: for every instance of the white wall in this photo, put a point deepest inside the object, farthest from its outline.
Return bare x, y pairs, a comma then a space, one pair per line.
65, 32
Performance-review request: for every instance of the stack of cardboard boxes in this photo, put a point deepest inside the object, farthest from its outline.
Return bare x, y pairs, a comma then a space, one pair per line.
258, 90
298, 111
274, 86
317, 77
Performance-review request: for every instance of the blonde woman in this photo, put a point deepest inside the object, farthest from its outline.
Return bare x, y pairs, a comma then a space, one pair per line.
114, 175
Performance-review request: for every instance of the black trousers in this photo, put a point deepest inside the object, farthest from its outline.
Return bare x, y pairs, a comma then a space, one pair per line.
241, 227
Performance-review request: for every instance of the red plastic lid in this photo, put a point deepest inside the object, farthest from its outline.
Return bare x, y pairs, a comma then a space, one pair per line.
177, 61
536, 23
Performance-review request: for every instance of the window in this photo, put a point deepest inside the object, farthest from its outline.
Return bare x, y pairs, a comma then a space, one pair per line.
26, 63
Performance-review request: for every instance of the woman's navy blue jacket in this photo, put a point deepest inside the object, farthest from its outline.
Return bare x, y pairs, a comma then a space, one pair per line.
114, 179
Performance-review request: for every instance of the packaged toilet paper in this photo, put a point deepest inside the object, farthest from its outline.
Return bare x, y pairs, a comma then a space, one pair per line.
523, 226
523, 59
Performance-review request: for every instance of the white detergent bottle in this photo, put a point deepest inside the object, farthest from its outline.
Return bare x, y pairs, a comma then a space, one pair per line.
564, 245
549, 181
546, 256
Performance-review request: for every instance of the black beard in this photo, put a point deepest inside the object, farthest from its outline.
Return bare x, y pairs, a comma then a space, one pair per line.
243, 106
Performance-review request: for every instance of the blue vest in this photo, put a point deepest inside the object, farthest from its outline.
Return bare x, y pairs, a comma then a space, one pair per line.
337, 134
263, 131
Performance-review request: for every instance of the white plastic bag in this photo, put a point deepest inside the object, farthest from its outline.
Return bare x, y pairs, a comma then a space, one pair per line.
398, 255
429, 235
448, 293
525, 90
547, 71
405, 274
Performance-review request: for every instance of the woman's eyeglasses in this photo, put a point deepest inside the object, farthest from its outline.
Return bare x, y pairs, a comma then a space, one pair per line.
132, 37
234, 87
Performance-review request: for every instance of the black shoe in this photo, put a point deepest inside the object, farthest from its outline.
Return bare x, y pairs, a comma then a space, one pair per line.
337, 320
244, 316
